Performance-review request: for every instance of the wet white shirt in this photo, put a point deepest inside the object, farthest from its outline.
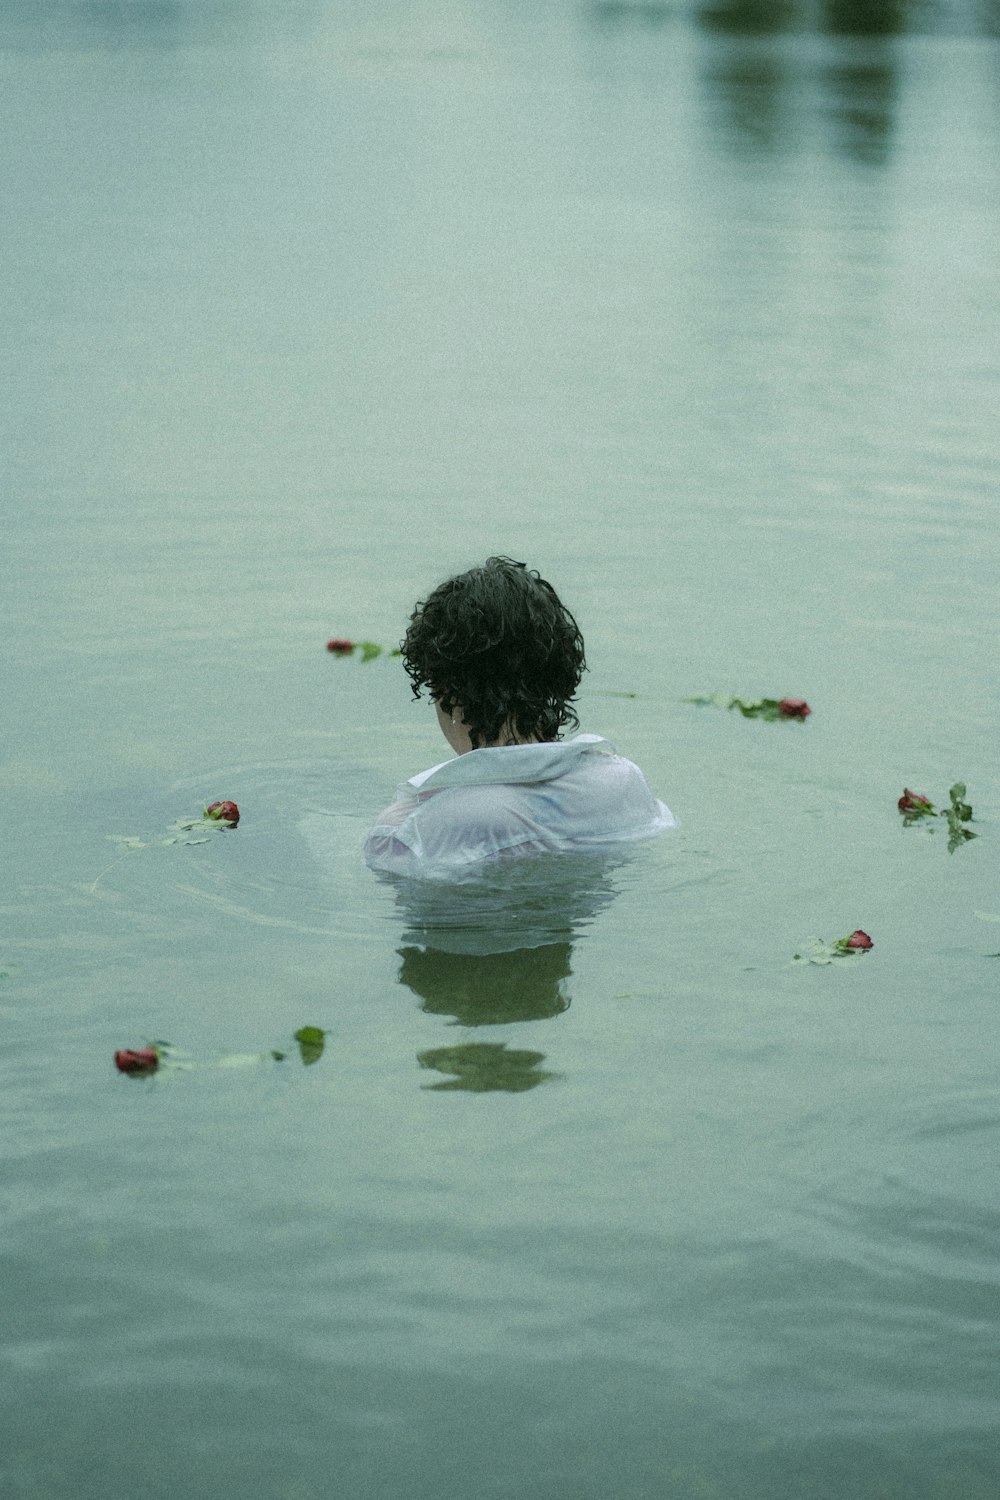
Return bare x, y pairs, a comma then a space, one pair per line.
514, 799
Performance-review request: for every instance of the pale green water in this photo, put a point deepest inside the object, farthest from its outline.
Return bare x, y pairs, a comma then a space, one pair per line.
306, 306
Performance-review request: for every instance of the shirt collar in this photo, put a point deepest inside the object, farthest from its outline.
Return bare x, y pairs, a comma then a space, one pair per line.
511, 763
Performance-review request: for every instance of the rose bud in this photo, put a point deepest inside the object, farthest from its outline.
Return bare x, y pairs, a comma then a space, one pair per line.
143, 1060
340, 648
914, 802
858, 939
794, 708
223, 812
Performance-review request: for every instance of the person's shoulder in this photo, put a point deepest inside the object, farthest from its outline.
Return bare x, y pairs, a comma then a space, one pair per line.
488, 813
611, 769
620, 799
450, 831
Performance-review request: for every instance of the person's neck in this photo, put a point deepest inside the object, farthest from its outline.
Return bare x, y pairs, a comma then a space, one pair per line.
510, 737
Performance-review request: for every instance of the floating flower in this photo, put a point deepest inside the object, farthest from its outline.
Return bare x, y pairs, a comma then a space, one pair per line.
843, 950
369, 649
915, 803
223, 812
162, 1056
764, 708
857, 942
914, 806
142, 1060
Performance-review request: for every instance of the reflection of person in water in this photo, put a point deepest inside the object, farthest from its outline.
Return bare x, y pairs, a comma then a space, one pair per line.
498, 949
489, 989
485, 1068
495, 952
501, 657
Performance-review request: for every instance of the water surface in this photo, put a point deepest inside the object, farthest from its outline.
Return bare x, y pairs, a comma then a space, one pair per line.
694, 307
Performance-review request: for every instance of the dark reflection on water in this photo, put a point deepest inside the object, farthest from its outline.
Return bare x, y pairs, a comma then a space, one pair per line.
753, 90
761, 96
841, 17
497, 952
517, 905
170, 24
485, 1068
846, 17
989, 17
863, 107
489, 989
870, 17
749, 17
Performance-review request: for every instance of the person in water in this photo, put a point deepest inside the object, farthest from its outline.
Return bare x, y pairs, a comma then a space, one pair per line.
501, 658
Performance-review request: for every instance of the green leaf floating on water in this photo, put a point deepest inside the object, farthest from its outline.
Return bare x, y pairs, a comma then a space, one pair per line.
958, 814
764, 708
310, 1040
181, 831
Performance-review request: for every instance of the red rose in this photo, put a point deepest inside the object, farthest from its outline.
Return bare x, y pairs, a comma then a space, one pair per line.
794, 708
858, 939
223, 812
340, 648
914, 802
144, 1060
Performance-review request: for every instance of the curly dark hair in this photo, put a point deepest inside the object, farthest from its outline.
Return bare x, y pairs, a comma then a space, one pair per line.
497, 643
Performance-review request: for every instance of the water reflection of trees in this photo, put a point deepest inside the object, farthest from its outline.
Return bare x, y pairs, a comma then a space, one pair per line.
868, 17
863, 98
840, 17
758, 84
769, 88
858, 98
497, 951
753, 91
748, 17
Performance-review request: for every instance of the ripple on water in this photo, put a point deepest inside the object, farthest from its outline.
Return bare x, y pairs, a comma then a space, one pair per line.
294, 862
